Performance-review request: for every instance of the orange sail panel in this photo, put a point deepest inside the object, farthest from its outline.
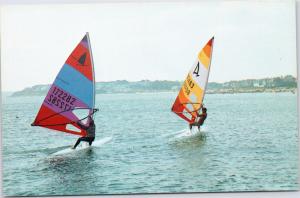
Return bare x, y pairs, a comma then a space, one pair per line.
72, 95
191, 94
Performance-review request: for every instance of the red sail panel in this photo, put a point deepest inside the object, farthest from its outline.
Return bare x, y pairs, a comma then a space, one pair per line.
52, 120
81, 52
180, 108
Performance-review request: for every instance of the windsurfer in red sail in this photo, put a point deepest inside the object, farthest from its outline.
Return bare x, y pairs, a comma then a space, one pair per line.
201, 118
90, 129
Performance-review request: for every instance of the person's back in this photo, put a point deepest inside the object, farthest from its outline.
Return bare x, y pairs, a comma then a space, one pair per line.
91, 130
202, 118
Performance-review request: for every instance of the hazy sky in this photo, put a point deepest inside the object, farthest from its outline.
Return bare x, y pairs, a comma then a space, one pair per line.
155, 41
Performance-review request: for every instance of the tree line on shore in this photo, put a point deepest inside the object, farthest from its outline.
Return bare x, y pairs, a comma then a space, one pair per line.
124, 86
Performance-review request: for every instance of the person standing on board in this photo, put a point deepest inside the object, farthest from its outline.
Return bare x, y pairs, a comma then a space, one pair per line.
201, 118
90, 129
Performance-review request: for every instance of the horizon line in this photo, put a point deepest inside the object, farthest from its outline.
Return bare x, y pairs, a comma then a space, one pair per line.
159, 80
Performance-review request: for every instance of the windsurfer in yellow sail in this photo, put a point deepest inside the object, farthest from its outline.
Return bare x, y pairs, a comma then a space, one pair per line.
200, 117
90, 129
191, 95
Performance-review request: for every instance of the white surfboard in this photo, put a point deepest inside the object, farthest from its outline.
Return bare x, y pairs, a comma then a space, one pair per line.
84, 146
186, 134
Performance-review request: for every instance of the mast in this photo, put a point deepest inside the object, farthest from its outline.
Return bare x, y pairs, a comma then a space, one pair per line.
211, 52
93, 70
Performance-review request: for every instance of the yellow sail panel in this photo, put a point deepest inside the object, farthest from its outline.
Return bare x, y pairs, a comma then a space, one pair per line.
191, 94
204, 59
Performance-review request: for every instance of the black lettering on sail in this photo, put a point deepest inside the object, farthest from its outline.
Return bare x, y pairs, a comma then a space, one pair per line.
82, 58
196, 70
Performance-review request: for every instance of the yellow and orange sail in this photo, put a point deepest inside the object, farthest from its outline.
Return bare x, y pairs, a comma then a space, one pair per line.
191, 94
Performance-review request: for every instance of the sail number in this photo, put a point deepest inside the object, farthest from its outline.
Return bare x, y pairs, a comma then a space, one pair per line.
188, 85
196, 70
61, 99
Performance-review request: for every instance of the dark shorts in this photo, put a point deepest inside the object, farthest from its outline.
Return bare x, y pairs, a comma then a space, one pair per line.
87, 139
196, 124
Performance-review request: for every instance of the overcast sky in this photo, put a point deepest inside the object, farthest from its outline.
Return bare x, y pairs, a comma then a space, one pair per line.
155, 41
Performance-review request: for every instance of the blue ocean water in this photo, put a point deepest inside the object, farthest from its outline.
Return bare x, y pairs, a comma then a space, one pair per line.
250, 144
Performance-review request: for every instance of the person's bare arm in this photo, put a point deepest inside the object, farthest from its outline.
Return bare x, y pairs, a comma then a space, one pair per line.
201, 115
199, 110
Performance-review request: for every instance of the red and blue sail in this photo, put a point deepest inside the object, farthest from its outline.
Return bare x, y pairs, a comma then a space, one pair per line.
73, 89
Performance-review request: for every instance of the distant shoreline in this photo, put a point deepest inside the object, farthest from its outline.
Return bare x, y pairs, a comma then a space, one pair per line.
278, 84
257, 90
229, 91
209, 92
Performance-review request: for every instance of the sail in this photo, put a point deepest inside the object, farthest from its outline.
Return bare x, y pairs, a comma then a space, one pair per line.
71, 97
191, 94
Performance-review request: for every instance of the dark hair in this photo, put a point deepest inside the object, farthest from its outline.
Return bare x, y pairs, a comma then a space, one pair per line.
204, 109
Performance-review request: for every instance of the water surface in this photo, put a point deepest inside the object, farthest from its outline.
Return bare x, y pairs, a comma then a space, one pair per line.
250, 144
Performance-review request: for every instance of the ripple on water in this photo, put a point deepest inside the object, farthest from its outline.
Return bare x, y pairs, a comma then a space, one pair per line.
239, 152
